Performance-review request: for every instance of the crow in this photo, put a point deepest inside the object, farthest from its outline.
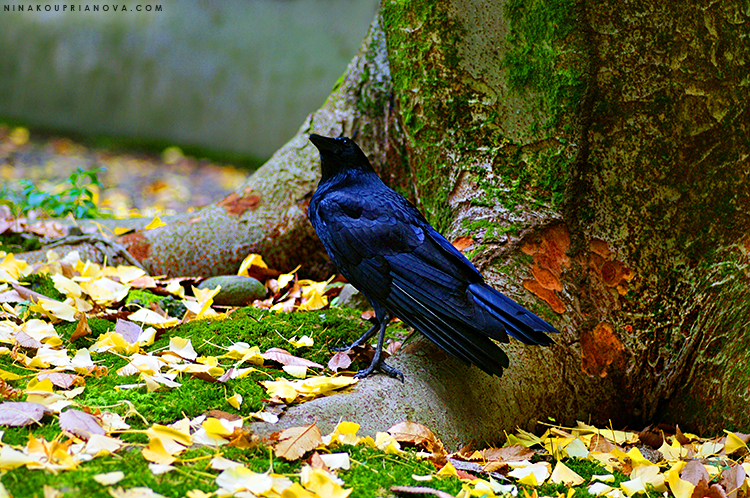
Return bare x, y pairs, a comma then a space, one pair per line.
385, 248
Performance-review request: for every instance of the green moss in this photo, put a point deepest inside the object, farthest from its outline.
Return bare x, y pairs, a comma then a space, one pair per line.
426, 98
142, 297
42, 283
540, 43
17, 243
374, 472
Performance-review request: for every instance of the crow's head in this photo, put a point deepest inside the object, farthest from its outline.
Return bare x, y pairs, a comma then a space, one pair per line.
339, 155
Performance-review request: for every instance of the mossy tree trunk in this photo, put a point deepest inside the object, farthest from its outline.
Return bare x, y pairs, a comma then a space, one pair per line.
594, 154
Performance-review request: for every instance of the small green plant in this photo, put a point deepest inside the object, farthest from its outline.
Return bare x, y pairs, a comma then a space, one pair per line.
78, 199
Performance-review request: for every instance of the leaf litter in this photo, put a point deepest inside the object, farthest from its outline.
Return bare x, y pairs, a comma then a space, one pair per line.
654, 460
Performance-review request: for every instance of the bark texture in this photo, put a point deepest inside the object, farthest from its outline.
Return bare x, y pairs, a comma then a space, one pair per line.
594, 156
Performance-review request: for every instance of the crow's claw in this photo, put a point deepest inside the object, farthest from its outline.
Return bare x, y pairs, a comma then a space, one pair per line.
342, 348
383, 367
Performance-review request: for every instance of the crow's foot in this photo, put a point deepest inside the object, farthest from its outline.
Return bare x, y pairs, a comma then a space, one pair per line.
383, 367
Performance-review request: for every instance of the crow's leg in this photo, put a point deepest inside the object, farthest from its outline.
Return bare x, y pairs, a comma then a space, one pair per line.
377, 362
363, 338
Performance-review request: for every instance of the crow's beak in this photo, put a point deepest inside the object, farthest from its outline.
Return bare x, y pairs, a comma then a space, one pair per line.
324, 143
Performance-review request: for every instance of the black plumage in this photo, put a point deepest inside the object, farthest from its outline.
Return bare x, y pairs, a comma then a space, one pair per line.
384, 247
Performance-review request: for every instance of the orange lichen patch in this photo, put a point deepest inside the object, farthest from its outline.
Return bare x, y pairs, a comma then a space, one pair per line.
596, 262
462, 243
548, 251
137, 245
546, 278
547, 295
600, 347
598, 246
614, 272
236, 204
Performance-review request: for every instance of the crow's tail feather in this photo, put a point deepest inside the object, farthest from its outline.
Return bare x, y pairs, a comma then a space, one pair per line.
517, 320
449, 334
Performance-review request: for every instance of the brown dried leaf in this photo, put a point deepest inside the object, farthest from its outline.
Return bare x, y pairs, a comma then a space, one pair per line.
296, 441
419, 435
514, 453
20, 413
26, 341
205, 376
411, 432
694, 472
223, 414
700, 490
82, 328
30, 295
10, 296
393, 347
600, 443
128, 330
340, 361
316, 462
143, 282
420, 490
732, 479
651, 436
241, 438
681, 438
367, 315
498, 466
60, 379
285, 358
716, 491
82, 424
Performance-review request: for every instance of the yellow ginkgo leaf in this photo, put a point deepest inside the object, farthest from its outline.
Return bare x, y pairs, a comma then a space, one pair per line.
299, 371
149, 317
529, 473
182, 347
171, 440
313, 301
679, 487
112, 341
5, 375
562, 474
386, 442
215, 427
155, 223
99, 445
733, 443
156, 453
344, 433
448, 470
203, 295
66, 285
175, 289
303, 342
109, 478
105, 291
323, 483
235, 400
54, 309
240, 478
251, 260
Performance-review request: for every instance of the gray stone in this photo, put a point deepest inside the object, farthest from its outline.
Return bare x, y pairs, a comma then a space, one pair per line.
235, 290
350, 297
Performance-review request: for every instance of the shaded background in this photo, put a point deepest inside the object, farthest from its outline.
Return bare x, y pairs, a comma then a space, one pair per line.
233, 75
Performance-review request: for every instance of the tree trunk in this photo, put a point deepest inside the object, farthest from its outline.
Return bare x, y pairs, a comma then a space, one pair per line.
594, 155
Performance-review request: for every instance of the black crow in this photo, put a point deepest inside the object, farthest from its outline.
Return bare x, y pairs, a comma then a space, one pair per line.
385, 248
